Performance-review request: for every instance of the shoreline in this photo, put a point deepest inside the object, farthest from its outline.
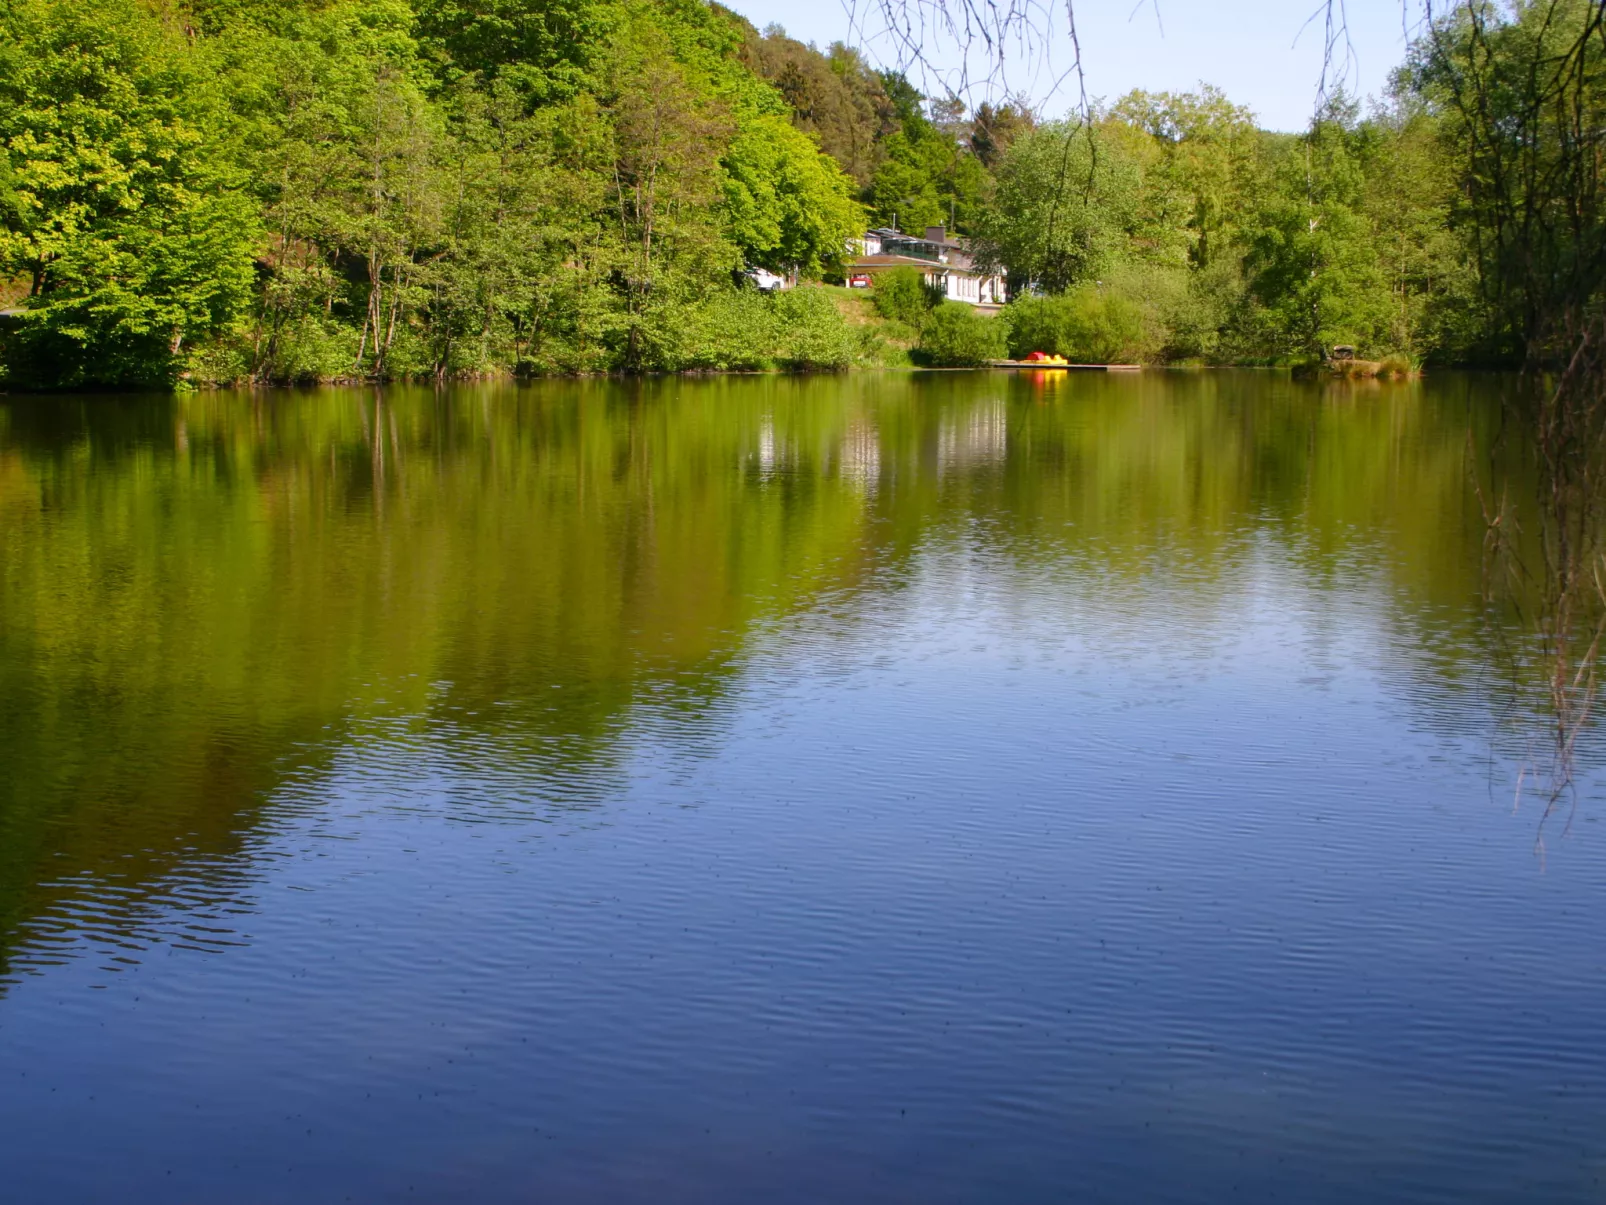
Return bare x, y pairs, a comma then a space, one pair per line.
1314, 375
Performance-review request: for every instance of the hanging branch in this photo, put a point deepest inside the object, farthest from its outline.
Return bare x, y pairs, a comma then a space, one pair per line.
988, 34
993, 38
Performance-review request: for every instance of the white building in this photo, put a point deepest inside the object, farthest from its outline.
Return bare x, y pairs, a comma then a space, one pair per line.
946, 262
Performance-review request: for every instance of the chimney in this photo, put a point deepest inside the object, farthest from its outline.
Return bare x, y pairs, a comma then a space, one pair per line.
936, 234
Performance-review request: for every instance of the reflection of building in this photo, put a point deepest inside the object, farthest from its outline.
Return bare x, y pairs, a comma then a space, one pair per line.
978, 438
766, 447
860, 456
946, 262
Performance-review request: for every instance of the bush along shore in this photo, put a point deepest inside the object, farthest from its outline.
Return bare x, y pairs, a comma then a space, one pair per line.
228, 191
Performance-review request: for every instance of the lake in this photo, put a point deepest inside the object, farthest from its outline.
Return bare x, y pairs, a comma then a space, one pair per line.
952, 787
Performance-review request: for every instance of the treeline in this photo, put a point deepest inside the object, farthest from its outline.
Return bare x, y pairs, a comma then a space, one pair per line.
304, 190
1457, 220
1168, 226
289, 190
917, 161
1171, 228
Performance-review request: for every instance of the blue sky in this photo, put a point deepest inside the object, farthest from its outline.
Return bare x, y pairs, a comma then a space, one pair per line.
1253, 49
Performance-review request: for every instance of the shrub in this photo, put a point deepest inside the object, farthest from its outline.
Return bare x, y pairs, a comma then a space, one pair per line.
1089, 325
877, 350
955, 336
221, 361
309, 349
746, 329
902, 295
1209, 322
728, 330
811, 332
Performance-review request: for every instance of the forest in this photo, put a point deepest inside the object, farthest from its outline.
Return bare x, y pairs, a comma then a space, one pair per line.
233, 191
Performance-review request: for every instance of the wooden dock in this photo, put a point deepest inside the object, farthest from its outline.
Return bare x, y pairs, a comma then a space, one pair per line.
1039, 366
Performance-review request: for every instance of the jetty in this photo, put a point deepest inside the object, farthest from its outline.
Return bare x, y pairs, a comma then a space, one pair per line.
1050, 365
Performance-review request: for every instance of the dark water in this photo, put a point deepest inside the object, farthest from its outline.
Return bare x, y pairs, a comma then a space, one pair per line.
944, 789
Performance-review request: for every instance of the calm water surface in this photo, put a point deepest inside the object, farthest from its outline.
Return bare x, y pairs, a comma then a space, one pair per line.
931, 789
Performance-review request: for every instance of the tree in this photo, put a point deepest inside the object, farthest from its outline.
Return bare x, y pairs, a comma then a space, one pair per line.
927, 175
346, 147
1522, 95
833, 96
1067, 197
668, 140
546, 50
1422, 260
788, 205
1313, 260
116, 210
1207, 170
995, 127
904, 295
954, 335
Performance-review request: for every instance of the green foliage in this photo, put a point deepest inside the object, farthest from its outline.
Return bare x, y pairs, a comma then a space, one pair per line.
1202, 164
995, 130
1312, 260
116, 209
812, 333
927, 176
1088, 325
1179, 231
954, 335
789, 206
546, 50
903, 295
360, 189
833, 96
1066, 204
379, 188
916, 162
1518, 95
1408, 200
746, 329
